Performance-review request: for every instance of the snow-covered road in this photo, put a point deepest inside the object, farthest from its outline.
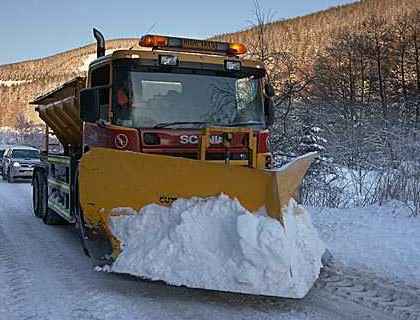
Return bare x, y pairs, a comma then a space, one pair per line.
44, 275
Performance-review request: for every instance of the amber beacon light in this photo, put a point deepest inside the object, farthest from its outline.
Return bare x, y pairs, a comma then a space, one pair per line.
185, 44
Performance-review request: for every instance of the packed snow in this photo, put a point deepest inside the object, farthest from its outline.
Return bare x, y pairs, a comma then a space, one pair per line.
217, 244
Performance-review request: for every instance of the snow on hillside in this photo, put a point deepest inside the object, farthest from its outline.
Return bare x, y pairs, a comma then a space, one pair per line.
10, 83
382, 239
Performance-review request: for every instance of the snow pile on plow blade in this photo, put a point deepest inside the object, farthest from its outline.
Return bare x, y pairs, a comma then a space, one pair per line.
217, 244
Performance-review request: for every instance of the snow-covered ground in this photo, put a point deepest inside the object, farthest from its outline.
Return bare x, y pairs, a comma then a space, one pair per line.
44, 274
383, 239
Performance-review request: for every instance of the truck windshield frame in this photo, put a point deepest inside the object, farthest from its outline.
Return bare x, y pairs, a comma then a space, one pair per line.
146, 96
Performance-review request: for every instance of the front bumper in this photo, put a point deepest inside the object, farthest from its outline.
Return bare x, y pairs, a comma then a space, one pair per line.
21, 172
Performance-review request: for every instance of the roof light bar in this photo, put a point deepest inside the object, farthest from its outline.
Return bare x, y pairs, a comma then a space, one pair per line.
184, 44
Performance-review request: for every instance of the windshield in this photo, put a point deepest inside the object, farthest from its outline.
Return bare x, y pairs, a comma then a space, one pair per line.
149, 99
25, 154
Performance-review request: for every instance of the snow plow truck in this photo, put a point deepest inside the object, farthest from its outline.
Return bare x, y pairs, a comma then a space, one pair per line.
174, 118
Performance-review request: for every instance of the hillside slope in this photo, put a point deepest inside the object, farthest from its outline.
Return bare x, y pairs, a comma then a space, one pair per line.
21, 82
308, 35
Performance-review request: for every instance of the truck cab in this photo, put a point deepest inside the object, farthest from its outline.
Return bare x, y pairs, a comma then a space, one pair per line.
160, 98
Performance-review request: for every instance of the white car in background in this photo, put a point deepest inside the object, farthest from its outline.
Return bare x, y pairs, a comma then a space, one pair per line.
18, 162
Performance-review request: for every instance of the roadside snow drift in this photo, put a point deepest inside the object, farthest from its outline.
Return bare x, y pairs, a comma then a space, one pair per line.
217, 244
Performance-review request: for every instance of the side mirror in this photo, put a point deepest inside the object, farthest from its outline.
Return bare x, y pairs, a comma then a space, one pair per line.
89, 105
269, 90
269, 111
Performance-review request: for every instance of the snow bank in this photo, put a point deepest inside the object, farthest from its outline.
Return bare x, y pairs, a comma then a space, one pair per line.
217, 244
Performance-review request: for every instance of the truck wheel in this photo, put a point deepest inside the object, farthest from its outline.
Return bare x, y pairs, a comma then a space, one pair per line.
39, 195
10, 179
35, 195
52, 218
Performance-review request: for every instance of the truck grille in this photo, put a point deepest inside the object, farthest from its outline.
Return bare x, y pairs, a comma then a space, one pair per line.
211, 156
26, 165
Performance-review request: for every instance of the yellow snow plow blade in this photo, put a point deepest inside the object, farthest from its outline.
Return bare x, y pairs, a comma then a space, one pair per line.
110, 179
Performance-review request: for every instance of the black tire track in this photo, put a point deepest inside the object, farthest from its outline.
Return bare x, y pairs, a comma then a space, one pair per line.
393, 298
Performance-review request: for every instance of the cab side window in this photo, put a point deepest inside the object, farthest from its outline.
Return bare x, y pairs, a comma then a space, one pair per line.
100, 77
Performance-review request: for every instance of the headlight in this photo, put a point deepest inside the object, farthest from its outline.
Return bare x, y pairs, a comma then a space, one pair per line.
16, 164
232, 65
168, 60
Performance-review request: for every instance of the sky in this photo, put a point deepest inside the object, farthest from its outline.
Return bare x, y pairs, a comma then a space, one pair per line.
32, 29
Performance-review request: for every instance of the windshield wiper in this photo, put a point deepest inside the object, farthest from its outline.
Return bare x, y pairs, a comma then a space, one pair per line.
238, 124
167, 124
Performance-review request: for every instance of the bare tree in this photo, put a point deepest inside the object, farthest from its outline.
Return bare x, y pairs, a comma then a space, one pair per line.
379, 40
415, 42
261, 44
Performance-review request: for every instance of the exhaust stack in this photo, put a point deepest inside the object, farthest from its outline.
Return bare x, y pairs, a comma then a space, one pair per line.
100, 43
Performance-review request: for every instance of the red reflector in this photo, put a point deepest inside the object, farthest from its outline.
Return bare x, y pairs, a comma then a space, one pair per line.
262, 142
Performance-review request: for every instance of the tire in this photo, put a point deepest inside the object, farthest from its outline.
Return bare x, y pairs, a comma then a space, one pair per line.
39, 195
51, 218
35, 195
10, 179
